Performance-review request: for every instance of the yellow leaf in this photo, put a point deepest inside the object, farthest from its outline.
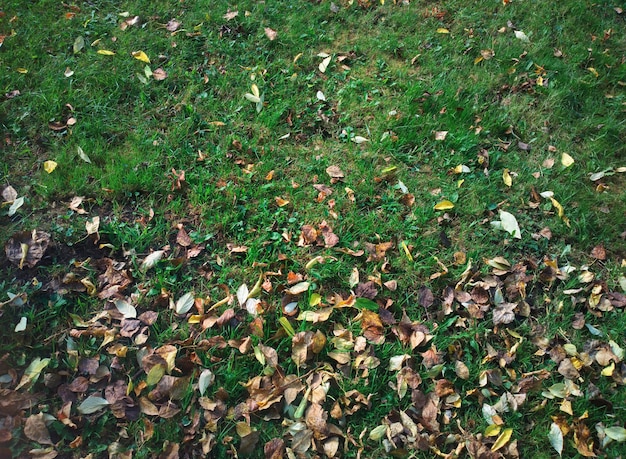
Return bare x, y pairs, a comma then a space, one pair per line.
478, 60
280, 202
493, 430
506, 178
566, 160
49, 166
407, 252
22, 70
106, 52
141, 56
442, 30
593, 71
559, 208
298, 56
255, 90
444, 205
502, 440
608, 371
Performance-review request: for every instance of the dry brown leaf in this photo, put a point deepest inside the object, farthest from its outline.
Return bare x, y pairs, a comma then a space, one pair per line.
274, 449
315, 419
35, 429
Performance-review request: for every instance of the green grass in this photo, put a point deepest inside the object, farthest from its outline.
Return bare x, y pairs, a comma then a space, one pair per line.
399, 74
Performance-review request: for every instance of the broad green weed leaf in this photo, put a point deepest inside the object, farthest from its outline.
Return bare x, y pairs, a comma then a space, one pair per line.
364, 303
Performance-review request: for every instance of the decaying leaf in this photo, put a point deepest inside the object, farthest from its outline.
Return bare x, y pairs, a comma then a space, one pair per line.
27, 248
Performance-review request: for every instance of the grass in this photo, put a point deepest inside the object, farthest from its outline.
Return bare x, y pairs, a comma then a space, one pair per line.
449, 99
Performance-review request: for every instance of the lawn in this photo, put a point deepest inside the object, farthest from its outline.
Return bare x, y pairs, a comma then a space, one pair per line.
312, 229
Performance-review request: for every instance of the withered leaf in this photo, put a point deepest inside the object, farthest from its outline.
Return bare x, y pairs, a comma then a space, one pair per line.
35, 429
316, 420
504, 313
274, 449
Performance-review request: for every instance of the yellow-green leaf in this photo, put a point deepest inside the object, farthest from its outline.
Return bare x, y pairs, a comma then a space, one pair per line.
493, 430
444, 205
315, 299
442, 30
566, 160
503, 439
49, 166
22, 70
106, 52
141, 56
616, 433
155, 374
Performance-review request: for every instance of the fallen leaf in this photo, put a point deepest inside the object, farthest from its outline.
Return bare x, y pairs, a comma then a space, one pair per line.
17, 203
126, 309
335, 172
172, 25
359, 139
106, 52
49, 166
27, 248
521, 36
92, 404
324, 64
566, 160
616, 433
270, 33
555, 436
35, 429
184, 303
159, 74
502, 440
151, 260
9, 194
231, 15
506, 178
508, 223
444, 205
82, 155
441, 135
